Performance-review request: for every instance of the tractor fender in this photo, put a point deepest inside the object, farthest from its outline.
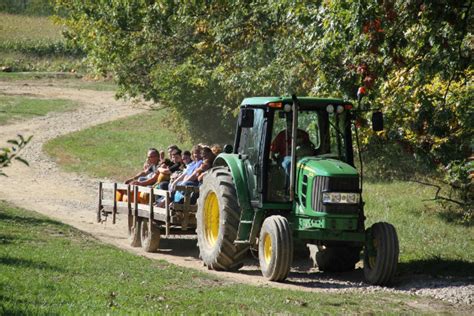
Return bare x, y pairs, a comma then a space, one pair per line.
237, 169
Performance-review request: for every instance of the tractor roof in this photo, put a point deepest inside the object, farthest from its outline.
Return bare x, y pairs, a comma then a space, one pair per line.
307, 102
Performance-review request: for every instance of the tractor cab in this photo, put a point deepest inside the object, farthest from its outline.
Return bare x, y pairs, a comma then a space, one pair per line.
264, 138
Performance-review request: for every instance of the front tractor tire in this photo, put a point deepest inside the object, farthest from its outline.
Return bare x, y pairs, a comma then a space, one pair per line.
381, 254
217, 222
275, 248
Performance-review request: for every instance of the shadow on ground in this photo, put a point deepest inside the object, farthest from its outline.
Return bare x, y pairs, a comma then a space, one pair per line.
26, 263
27, 220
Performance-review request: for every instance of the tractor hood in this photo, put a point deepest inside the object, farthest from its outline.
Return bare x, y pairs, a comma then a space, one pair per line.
326, 167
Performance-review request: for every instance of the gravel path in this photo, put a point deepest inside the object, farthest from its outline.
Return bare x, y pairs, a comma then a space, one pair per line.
71, 198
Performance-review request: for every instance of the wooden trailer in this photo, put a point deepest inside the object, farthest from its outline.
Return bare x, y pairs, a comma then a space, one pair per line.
146, 221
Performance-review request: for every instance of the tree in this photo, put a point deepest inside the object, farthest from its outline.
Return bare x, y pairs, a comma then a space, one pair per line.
201, 58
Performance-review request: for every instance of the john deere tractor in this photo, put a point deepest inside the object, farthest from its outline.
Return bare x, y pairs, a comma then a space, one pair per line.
290, 180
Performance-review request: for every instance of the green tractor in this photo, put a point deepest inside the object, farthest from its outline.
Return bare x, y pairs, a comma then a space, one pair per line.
288, 181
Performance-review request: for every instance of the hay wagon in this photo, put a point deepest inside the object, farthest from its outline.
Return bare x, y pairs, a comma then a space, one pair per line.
146, 221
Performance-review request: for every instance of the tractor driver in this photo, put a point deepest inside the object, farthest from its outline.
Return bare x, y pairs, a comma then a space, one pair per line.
281, 147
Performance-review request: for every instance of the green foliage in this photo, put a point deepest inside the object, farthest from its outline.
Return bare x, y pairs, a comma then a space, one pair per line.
199, 57
51, 268
460, 175
11, 153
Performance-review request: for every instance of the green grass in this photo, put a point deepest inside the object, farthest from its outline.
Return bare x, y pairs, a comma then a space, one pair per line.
428, 243
116, 149
50, 268
13, 108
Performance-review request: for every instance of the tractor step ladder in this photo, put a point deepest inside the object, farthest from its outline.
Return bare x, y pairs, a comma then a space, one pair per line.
249, 221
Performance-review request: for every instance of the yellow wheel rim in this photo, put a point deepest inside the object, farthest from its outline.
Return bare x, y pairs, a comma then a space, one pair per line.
267, 248
211, 218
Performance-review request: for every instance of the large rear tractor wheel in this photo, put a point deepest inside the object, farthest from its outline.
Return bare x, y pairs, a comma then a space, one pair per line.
218, 218
134, 225
275, 248
337, 258
150, 236
381, 254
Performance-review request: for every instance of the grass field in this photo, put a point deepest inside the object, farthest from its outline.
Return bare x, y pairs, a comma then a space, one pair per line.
13, 108
50, 268
61, 79
32, 43
28, 28
114, 149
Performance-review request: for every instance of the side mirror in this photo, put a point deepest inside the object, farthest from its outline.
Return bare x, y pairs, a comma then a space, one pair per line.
228, 149
246, 118
377, 121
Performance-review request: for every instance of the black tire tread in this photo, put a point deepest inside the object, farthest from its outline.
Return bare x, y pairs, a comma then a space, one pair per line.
228, 256
282, 247
387, 255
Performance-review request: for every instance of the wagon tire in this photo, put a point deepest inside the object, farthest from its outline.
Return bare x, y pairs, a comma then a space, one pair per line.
134, 236
150, 235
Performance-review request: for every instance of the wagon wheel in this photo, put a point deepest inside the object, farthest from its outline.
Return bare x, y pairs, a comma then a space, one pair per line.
134, 224
150, 235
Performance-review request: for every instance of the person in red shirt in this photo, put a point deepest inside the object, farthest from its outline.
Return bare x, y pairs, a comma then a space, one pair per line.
282, 148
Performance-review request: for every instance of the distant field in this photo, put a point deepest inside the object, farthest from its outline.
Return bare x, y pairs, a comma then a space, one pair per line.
50, 268
116, 149
28, 28
62, 79
32, 43
13, 108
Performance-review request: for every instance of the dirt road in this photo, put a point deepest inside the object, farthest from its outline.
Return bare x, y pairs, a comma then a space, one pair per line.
71, 198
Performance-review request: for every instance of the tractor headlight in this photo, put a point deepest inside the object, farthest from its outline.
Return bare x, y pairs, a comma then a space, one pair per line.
340, 197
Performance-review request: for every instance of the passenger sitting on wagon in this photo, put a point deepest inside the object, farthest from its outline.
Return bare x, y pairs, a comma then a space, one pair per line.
216, 149
167, 171
155, 177
149, 167
186, 157
189, 176
208, 156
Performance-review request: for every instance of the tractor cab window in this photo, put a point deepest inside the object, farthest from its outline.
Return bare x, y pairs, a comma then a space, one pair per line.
251, 144
336, 146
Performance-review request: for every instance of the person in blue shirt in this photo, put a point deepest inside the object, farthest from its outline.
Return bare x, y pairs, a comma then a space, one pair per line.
189, 176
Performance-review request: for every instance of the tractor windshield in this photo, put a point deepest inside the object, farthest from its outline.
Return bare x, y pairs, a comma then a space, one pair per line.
319, 133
